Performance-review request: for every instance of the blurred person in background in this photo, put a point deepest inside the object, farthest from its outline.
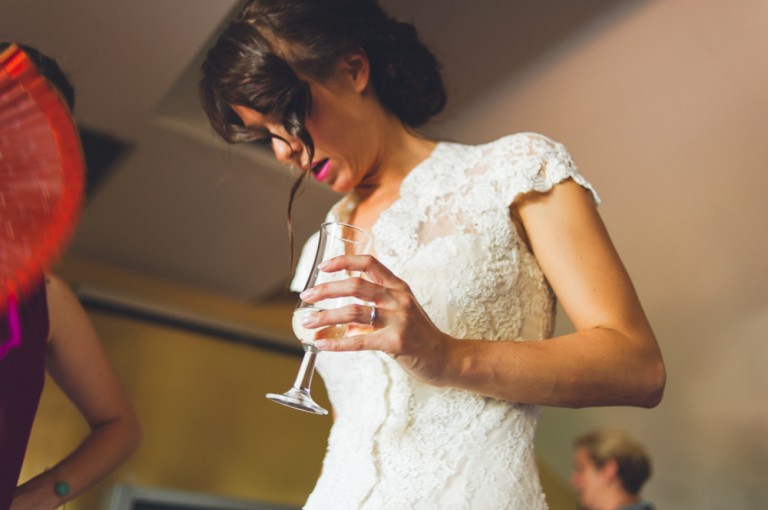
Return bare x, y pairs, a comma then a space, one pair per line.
610, 468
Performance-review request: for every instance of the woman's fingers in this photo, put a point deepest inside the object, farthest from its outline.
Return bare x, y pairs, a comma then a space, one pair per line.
360, 314
351, 287
368, 264
365, 342
374, 287
390, 320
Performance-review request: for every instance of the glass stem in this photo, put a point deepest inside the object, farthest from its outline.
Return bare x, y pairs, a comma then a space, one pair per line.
307, 369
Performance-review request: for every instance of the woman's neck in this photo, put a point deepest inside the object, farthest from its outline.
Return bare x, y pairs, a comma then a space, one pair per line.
400, 150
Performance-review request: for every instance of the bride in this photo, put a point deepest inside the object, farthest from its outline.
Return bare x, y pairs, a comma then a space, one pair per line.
436, 408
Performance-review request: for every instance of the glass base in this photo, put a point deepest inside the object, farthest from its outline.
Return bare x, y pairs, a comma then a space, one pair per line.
297, 399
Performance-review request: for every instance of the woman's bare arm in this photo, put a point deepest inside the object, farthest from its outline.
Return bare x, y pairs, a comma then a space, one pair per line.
612, 358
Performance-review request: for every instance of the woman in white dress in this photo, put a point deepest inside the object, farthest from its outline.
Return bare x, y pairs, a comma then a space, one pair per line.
436, 399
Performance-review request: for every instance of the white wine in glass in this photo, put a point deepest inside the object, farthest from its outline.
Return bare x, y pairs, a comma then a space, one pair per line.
335, 239
309, 336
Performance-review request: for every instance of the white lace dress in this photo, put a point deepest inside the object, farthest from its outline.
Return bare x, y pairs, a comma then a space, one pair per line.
399, 444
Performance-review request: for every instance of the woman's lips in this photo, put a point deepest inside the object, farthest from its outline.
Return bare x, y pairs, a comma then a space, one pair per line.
322, 169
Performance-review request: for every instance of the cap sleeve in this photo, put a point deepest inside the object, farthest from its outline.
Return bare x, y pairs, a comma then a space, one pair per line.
533, 162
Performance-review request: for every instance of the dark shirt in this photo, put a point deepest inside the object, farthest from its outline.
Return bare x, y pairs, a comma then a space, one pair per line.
642, 505
22, 375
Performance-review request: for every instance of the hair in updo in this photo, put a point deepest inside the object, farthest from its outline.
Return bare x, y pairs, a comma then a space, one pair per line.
256, 61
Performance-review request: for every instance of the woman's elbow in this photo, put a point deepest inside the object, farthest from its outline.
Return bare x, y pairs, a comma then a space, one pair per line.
127, 432
135, 435
655, 381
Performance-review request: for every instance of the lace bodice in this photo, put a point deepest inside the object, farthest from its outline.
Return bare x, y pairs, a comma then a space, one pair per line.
398, 443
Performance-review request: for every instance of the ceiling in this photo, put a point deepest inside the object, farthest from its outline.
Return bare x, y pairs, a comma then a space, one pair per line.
180, 205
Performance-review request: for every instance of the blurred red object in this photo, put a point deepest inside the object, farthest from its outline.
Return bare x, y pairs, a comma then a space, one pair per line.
41, 174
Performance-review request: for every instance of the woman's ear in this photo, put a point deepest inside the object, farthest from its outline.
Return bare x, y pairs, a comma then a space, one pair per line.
358, 68
611, 469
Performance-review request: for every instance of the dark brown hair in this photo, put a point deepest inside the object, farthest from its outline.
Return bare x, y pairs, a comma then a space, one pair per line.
255, 61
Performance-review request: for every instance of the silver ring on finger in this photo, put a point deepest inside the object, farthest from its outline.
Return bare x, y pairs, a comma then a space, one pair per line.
373, 315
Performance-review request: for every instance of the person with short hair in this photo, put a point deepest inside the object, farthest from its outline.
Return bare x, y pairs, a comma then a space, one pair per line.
610, 468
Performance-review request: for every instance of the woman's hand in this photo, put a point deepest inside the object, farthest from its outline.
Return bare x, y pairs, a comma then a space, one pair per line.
400, 327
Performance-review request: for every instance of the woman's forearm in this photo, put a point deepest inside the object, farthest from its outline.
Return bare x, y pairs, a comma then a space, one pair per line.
105, 448
597, 367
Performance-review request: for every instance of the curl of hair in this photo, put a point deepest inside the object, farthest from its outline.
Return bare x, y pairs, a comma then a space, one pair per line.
241, 69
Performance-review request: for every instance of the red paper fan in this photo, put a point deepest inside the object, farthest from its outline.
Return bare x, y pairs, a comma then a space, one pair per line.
41, 174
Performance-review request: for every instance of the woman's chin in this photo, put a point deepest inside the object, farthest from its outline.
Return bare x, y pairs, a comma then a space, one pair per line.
340, 188
341, 185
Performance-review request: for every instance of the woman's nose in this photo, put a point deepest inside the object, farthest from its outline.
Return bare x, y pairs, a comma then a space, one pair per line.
286, 151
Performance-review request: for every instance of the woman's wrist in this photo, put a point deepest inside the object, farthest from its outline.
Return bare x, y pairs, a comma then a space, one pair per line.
469, 365
455, 361
61, 487
40, 492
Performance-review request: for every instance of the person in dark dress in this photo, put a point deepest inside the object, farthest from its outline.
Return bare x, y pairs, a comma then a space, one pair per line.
22, 374
56, 336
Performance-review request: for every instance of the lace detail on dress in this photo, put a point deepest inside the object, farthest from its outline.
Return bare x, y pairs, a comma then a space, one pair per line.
401, 444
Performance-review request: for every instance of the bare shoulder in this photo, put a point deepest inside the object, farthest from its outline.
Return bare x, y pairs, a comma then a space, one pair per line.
64, 309
56, 288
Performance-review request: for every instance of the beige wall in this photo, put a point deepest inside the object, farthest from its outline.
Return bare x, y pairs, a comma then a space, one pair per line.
663, 105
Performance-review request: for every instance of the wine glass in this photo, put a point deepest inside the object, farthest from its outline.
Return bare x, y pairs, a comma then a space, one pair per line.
335, 239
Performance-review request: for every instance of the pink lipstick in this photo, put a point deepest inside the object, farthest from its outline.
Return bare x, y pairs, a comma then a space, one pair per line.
322, 169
